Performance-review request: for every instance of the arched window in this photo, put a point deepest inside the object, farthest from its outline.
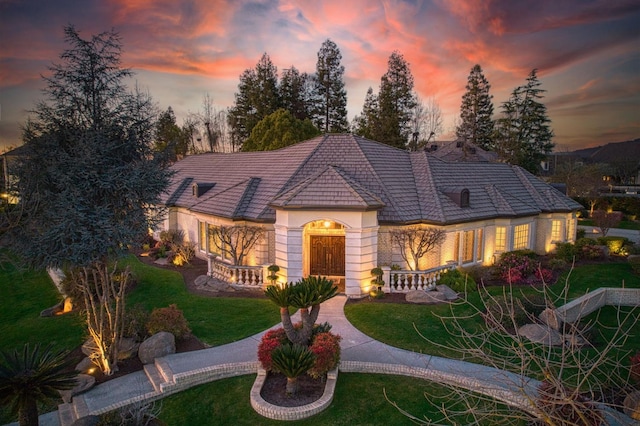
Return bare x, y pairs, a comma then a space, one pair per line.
464, 198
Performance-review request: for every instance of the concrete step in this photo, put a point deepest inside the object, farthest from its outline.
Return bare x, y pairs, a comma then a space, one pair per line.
165, 370
154, 376
66, 414
80, 407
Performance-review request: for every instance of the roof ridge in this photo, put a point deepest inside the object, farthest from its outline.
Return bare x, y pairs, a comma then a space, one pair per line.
285, 186
246, 197
352, 182
520, 173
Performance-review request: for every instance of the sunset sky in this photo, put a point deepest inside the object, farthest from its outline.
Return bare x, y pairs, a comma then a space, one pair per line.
587, 52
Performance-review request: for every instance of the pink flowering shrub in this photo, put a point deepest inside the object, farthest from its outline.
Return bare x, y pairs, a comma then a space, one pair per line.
326, 347
516, 266
542, 276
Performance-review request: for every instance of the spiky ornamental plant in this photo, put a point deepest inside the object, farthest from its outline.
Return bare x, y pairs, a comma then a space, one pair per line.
32, 376
306, 295
292, 361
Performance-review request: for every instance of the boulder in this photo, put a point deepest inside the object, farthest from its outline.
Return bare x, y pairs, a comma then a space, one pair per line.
550, 318
89, 347
160, 344
425, 297
540, 333
85, 365
128, 348
84, 382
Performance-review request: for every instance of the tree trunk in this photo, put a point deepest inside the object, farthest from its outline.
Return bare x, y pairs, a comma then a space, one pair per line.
292, 385
28, 414
287, 325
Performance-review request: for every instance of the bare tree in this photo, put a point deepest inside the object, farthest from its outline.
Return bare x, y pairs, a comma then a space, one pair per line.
606, 220
236, 241
560, 379
103, 289
415, 242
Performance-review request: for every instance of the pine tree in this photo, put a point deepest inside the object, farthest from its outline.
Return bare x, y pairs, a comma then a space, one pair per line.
396, 102
256, 98
330, 96
476, 111
523, 134
295, 93
365, 124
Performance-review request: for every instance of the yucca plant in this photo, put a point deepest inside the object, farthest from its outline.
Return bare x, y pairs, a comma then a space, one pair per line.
31, 376
306, 295
292, 361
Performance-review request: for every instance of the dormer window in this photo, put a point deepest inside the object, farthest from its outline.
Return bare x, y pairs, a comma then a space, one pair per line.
198, 189
460, 196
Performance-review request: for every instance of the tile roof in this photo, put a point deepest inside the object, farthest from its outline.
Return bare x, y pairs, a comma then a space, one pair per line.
343, 171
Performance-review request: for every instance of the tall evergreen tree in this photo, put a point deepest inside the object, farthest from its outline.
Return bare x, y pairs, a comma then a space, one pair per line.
90, 180
295, 93
523, 133
476, 111
169, 137
396, 102
330, 96
366, 123
257, 97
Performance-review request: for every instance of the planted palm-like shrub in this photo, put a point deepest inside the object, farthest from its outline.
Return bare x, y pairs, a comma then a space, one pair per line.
306, 295
292, 360
32, 376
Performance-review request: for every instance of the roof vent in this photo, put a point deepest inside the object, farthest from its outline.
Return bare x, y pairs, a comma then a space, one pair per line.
459, 144
434, 147
199, 188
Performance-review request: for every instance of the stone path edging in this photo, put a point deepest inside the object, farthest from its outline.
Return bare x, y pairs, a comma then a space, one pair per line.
276, 412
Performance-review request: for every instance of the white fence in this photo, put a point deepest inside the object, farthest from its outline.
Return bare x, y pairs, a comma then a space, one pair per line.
403, 281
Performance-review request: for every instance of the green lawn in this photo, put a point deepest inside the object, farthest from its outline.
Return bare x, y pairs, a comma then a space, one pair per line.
359, 400
625, 224
399, 324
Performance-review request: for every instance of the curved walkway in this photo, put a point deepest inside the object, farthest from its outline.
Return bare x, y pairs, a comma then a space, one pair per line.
360, 353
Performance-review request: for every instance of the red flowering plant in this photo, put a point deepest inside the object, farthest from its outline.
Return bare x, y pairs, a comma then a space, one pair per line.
326, 347
516, 266
271, 340
542, 276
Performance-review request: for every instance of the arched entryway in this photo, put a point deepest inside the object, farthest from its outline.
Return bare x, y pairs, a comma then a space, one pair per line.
325, 250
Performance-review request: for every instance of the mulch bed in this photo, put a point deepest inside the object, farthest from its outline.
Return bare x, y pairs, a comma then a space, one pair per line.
274, 390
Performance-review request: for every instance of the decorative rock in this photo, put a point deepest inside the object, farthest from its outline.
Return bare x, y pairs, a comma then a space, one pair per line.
448, 293
85, 365
425, 297
89, 347
539, 333
550, 318
84, 382
632, 405
160, 344
201, 281
54, 310
87, 421
128, 348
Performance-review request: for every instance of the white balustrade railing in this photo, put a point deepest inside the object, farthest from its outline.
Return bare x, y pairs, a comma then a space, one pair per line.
403, 281
250, 276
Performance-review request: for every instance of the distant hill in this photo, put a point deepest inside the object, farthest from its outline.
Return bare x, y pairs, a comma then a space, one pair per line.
611, 152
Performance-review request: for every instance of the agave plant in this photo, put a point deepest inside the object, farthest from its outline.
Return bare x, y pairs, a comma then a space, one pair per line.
29, 377
306, 295
292, 361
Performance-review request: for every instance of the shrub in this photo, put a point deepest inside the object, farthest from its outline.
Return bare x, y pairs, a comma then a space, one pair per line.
326, 347
458, 281
557, 264
566, 407
516, 266
565, 252
542, 276
580, 233
135, 322
271, 340
169, 319
616, 244
184, 253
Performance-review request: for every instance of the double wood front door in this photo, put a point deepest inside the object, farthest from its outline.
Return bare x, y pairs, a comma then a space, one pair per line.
327, 255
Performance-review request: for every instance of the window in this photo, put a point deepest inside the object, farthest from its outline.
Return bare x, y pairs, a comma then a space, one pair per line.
571, 229
501, 238
556, 230
464, 198
202, 236
521, 237
214, 241
467, 246
479, 246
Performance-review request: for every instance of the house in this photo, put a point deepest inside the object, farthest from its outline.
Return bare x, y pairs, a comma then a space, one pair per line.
328, 206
